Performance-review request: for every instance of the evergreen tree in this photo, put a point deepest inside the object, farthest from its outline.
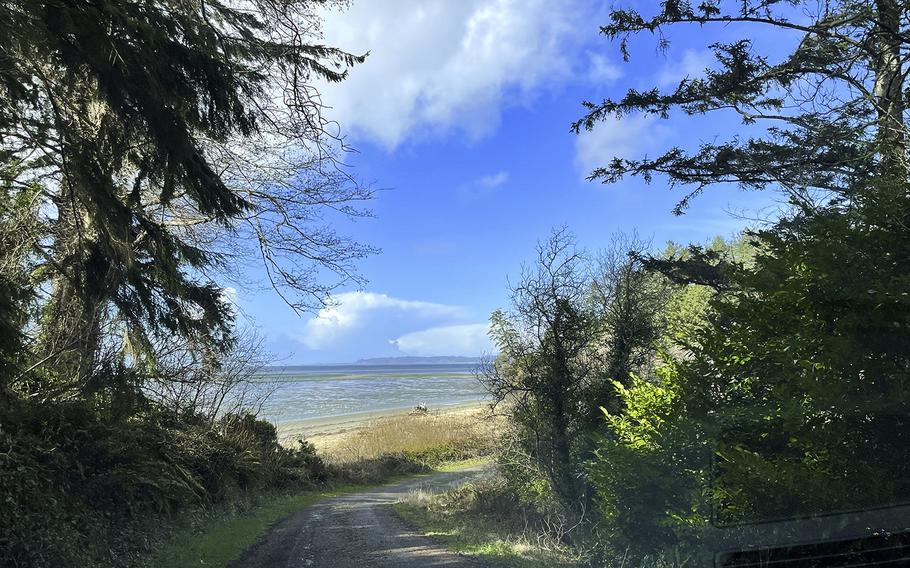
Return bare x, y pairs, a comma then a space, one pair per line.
154, 126
811, 145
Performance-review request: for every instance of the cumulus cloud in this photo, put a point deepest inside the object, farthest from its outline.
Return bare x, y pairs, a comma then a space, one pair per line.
437, 66
468, 340
629, 137
353, 310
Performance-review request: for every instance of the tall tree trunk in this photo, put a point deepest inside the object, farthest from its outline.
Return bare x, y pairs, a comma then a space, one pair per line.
73, 316
889, 87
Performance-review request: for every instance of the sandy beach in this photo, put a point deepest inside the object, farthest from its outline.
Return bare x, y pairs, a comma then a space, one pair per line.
324, 432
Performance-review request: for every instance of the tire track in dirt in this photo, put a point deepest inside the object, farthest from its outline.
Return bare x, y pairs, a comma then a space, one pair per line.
357, 531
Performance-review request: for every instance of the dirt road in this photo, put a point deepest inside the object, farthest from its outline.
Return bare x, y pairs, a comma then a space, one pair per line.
358, 531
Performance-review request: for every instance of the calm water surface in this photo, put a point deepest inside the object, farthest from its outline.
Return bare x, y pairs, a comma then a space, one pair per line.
306, 392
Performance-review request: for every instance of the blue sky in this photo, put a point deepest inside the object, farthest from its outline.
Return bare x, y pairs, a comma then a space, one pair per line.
462, 111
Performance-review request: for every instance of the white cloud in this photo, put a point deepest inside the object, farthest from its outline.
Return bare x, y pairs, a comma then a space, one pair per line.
437, 66
634, 135
494, 180
351, 310
629, 137
229, 294
601, 70
482, 186
468, 340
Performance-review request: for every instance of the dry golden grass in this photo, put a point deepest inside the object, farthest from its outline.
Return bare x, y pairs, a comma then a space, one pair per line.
431, 438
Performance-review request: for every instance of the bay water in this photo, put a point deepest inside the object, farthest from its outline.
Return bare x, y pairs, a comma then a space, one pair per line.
324, 391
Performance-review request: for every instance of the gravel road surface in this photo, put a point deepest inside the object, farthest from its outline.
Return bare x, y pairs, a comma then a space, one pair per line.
358, 531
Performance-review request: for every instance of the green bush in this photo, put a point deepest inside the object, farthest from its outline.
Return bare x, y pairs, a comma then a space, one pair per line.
645, 470
80, 489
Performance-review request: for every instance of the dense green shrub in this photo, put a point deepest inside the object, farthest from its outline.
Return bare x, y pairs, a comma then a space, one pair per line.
801, 381
790, 400
80, 489
648, 469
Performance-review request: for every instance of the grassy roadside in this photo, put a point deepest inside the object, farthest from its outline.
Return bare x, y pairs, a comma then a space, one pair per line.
384, 452
481, 538
462, 464
474, 520
224, 536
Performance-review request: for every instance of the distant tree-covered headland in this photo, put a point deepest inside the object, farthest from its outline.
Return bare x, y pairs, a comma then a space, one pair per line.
436, 360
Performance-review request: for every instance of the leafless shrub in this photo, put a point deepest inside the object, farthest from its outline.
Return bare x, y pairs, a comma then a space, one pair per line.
193, 380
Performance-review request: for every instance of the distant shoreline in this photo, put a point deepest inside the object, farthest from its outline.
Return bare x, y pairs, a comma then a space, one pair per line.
441, 360
385, 362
